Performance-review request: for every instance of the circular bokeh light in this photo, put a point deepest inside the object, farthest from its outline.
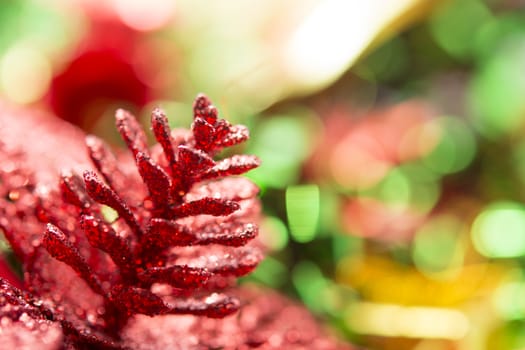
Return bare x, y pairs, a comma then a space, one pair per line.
499, 230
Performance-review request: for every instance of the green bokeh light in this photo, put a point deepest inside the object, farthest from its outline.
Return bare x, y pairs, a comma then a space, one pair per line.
395, 188
425, 187
497, 32
344, 245
302, 209
108, 213
310, 284
270, 272
437, 246
455, 150
496, 93
419, 171
499, 230
274, 233
509, 301
455, 26
4, 244
409, 185
282, 143
51, 28
329, 211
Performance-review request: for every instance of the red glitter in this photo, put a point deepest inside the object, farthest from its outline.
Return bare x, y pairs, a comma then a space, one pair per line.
141, 262
142, 242
183, 232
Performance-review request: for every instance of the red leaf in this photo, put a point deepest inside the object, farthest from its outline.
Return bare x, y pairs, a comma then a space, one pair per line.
208, 206
204, 134
203, 108
179, 276
133, 300
156, 180
73, 190
104, 161
131, 131
59, 247
193, 161
161, 130
214, 306
105, 195
100, 235
236, 165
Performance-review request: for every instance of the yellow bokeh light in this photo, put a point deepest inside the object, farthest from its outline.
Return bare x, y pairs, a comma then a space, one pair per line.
25, 74
392, 320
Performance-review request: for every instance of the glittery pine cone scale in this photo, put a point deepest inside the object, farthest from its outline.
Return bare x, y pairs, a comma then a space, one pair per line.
162, 233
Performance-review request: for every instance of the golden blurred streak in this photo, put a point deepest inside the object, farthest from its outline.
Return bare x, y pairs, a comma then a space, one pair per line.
392, 320
381, 280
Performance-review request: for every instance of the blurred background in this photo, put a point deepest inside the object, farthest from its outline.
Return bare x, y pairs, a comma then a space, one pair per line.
392, 135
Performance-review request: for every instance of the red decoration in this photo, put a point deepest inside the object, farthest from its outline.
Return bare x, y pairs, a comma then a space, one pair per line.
182, 234
104, 70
